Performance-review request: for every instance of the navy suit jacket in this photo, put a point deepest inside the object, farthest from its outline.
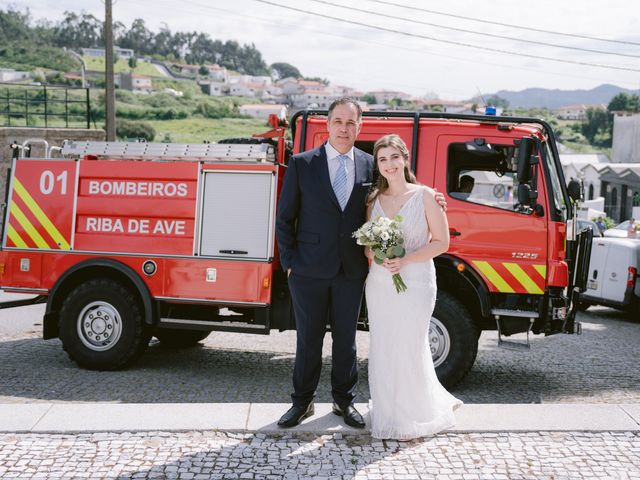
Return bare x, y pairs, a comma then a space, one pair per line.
314, 234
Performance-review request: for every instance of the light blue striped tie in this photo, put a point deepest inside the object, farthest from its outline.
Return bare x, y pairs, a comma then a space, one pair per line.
340, 181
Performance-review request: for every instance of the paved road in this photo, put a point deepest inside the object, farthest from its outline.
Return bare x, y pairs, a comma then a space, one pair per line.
598, 367
218, 455
601, 366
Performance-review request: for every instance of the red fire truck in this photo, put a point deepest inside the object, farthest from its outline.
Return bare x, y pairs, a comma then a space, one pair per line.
124, 241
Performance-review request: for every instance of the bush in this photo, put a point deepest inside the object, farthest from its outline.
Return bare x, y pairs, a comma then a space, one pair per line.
128, 129
221, 110
169, 114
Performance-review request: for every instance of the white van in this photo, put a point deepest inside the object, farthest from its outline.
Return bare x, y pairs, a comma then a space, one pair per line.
613, 275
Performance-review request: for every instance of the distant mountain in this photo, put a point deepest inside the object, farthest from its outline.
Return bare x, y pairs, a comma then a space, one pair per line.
543, 97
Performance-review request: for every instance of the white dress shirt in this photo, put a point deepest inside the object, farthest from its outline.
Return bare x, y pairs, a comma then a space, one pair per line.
334, 164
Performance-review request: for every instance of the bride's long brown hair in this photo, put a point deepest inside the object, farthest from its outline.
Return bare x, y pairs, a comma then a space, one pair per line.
382, 185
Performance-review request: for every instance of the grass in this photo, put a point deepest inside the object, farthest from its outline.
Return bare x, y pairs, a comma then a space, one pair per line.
97, 64
197, 130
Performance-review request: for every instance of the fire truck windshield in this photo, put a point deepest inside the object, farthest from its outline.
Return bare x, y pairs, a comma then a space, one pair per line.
555, 184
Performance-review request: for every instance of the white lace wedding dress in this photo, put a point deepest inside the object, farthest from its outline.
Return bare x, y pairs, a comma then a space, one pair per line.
407, 400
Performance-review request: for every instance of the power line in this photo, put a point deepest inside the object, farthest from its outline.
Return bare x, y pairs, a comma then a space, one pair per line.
485, 34
397, 46
450, 42
468, 59
520, 27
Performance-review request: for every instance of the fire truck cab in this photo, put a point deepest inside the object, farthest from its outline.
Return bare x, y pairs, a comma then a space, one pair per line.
124, 241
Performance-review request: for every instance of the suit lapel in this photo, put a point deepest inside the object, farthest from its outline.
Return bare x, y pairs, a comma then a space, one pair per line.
321, 166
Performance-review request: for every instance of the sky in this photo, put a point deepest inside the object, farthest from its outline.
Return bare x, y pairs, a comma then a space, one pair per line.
448, 52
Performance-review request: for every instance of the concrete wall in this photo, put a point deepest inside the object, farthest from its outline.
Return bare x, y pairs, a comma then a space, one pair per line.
626, 139
55, 136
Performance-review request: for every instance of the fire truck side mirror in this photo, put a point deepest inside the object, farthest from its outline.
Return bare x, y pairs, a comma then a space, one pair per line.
524, 191
524, 159
575, 190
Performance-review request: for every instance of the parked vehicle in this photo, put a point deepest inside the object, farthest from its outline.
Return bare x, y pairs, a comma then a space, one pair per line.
584, 224
128, 240
619, 231
613, 275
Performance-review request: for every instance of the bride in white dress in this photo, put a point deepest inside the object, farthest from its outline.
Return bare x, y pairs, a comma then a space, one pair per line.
407, 400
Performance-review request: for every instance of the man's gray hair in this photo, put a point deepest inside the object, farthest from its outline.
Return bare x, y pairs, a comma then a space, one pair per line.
346, 101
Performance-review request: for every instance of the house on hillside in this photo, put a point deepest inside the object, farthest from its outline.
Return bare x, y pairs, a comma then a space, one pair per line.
217, 73
125, 53
215, 89
263, 110
385, 96
437, 105
11, 75
576, 112
135, 82
187, 69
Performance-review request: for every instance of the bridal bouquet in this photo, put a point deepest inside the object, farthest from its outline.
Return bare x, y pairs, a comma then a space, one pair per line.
384, 237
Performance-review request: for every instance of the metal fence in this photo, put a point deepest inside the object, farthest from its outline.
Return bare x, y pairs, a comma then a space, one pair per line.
44, 106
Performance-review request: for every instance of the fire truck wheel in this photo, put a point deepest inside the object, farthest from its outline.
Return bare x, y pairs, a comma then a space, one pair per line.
102, 325
453, 339
175, 338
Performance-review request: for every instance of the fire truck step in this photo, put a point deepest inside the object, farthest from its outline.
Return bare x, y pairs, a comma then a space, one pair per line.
503, 328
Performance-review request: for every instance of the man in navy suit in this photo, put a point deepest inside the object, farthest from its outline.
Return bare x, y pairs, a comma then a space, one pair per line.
322, 202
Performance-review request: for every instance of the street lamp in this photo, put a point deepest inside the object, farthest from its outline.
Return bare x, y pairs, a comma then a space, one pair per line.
84, 66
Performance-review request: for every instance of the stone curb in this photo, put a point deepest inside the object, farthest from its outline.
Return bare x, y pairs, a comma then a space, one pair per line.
262, 417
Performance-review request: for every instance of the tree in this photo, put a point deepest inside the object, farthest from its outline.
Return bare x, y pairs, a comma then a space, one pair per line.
78, 31
133, 62
624, 102
370, 99
138, 38
598, 128
204, 71
14, 25
283, 70
497, 101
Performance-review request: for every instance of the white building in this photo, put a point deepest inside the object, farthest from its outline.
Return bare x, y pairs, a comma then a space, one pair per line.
385, 96
125, 53
135, 82
11, 75
626, 138
215, 89
577, 111
217, 73
314, 99
263, 110
261, 81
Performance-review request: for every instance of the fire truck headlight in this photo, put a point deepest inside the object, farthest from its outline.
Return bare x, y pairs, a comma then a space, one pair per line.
149, 267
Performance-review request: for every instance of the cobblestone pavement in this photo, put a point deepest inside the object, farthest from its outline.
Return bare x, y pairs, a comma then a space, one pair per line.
601, 366
217, 455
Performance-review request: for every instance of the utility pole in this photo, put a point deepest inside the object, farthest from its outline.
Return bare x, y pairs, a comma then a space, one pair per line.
110, 90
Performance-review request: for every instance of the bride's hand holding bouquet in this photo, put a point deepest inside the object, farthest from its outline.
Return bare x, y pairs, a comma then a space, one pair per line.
384, 238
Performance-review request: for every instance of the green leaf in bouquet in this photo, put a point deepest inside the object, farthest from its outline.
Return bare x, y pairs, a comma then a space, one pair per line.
398, 251
378, 260
398, 218
378, 253
389, 253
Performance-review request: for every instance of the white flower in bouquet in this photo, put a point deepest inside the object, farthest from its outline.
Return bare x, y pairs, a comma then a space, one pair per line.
384, 237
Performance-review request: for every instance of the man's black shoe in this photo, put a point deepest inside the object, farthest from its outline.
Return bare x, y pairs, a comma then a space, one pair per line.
295, 415
351, 416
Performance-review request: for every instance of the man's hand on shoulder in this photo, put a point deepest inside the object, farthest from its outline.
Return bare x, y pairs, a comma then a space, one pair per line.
440, 199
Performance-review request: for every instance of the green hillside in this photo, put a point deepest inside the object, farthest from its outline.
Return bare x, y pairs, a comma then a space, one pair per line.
97, 64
